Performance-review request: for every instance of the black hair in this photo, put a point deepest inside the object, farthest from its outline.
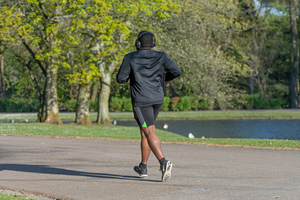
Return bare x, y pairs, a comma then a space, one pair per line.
146, 40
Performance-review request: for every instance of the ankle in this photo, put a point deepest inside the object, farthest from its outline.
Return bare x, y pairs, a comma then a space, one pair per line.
161, 161
143, 166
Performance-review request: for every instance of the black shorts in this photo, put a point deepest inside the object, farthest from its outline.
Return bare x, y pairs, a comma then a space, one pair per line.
145, 116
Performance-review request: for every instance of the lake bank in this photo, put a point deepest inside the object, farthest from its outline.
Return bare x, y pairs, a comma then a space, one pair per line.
232, 114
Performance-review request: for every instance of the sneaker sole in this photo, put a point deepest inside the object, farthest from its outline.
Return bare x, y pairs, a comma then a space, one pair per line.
141, 175
167, 174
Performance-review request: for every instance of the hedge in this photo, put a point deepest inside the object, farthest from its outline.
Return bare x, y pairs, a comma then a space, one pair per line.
121, 104
19, 105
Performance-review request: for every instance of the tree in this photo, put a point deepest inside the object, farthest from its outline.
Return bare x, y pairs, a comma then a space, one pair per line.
41, 32
194, 39
9, 20
107, 25
294, 101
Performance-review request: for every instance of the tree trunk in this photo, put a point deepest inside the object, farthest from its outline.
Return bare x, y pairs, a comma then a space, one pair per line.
42, 112
103, 111
95, 91
298, 89
51, 97
295, 55
2, 79
255, 63
82, 110
250, 6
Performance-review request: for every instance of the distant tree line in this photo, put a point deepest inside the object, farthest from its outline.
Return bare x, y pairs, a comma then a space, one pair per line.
57, 50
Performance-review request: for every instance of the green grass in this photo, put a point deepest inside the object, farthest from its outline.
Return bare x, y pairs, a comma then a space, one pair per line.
12, 197
244, 114
131, 133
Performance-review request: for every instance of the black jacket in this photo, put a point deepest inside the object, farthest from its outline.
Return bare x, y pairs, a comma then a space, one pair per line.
147, 70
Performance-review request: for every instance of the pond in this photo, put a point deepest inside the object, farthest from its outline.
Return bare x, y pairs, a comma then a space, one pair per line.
255, 129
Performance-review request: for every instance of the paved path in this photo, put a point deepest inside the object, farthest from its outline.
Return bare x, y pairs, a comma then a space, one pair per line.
101, 169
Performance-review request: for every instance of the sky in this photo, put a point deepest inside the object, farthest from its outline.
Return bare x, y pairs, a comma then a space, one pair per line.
273, 11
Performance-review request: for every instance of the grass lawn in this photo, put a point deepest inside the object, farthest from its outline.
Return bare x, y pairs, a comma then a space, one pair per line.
130, 133
241, 114
12, 197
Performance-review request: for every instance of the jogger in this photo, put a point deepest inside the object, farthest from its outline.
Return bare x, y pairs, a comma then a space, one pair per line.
148, 71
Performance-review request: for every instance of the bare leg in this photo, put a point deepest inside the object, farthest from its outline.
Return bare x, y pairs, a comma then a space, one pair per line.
145, 149
153, 142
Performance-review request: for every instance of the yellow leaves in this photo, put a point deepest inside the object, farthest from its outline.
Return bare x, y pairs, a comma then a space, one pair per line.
84, 74
75, 25
9, 20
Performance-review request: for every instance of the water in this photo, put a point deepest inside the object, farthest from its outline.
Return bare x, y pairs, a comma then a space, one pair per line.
256, 129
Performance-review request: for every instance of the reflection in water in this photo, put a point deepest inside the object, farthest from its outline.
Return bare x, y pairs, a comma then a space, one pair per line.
260, 129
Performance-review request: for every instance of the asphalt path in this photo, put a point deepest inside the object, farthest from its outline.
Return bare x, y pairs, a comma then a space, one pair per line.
87, 169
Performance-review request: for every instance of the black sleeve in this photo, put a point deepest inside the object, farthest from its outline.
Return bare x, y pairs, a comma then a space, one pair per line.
124, 71
171, 68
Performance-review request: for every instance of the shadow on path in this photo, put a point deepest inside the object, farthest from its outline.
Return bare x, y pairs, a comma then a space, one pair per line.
44, 169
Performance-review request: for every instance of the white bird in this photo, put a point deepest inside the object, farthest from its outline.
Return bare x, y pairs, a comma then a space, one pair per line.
12, 121
203, 137
115, 122
165, 126
26, 120
191, 135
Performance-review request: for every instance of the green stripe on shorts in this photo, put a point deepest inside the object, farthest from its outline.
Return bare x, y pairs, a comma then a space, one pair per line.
144, 125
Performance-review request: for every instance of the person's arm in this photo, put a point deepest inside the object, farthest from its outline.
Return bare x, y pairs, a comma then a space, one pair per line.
124, 71
172, 70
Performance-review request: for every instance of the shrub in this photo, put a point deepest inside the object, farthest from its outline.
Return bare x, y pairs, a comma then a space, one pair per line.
70, 105
256, 101
93, 105
115, 104
174, 102
166, 104
118, 104
19, 105
3, 103
184, 104
127, 105
195, 103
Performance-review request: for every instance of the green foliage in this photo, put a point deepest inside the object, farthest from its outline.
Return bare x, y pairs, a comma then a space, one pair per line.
19, 105
174, 103
127, 105
118, 104
189, 103
256, 101
184, 104
9, 20
93, 105
202, 28
166, 104
70, 105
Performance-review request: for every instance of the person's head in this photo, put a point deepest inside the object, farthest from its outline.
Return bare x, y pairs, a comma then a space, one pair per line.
145, 39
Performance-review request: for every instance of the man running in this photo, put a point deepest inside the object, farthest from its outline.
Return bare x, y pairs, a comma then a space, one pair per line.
148, 71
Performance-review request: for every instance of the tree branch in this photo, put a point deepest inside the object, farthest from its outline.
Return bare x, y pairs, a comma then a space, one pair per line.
33, 56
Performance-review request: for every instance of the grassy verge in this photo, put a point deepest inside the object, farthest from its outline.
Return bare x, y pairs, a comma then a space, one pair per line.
267, 114
12, 197
131, 133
